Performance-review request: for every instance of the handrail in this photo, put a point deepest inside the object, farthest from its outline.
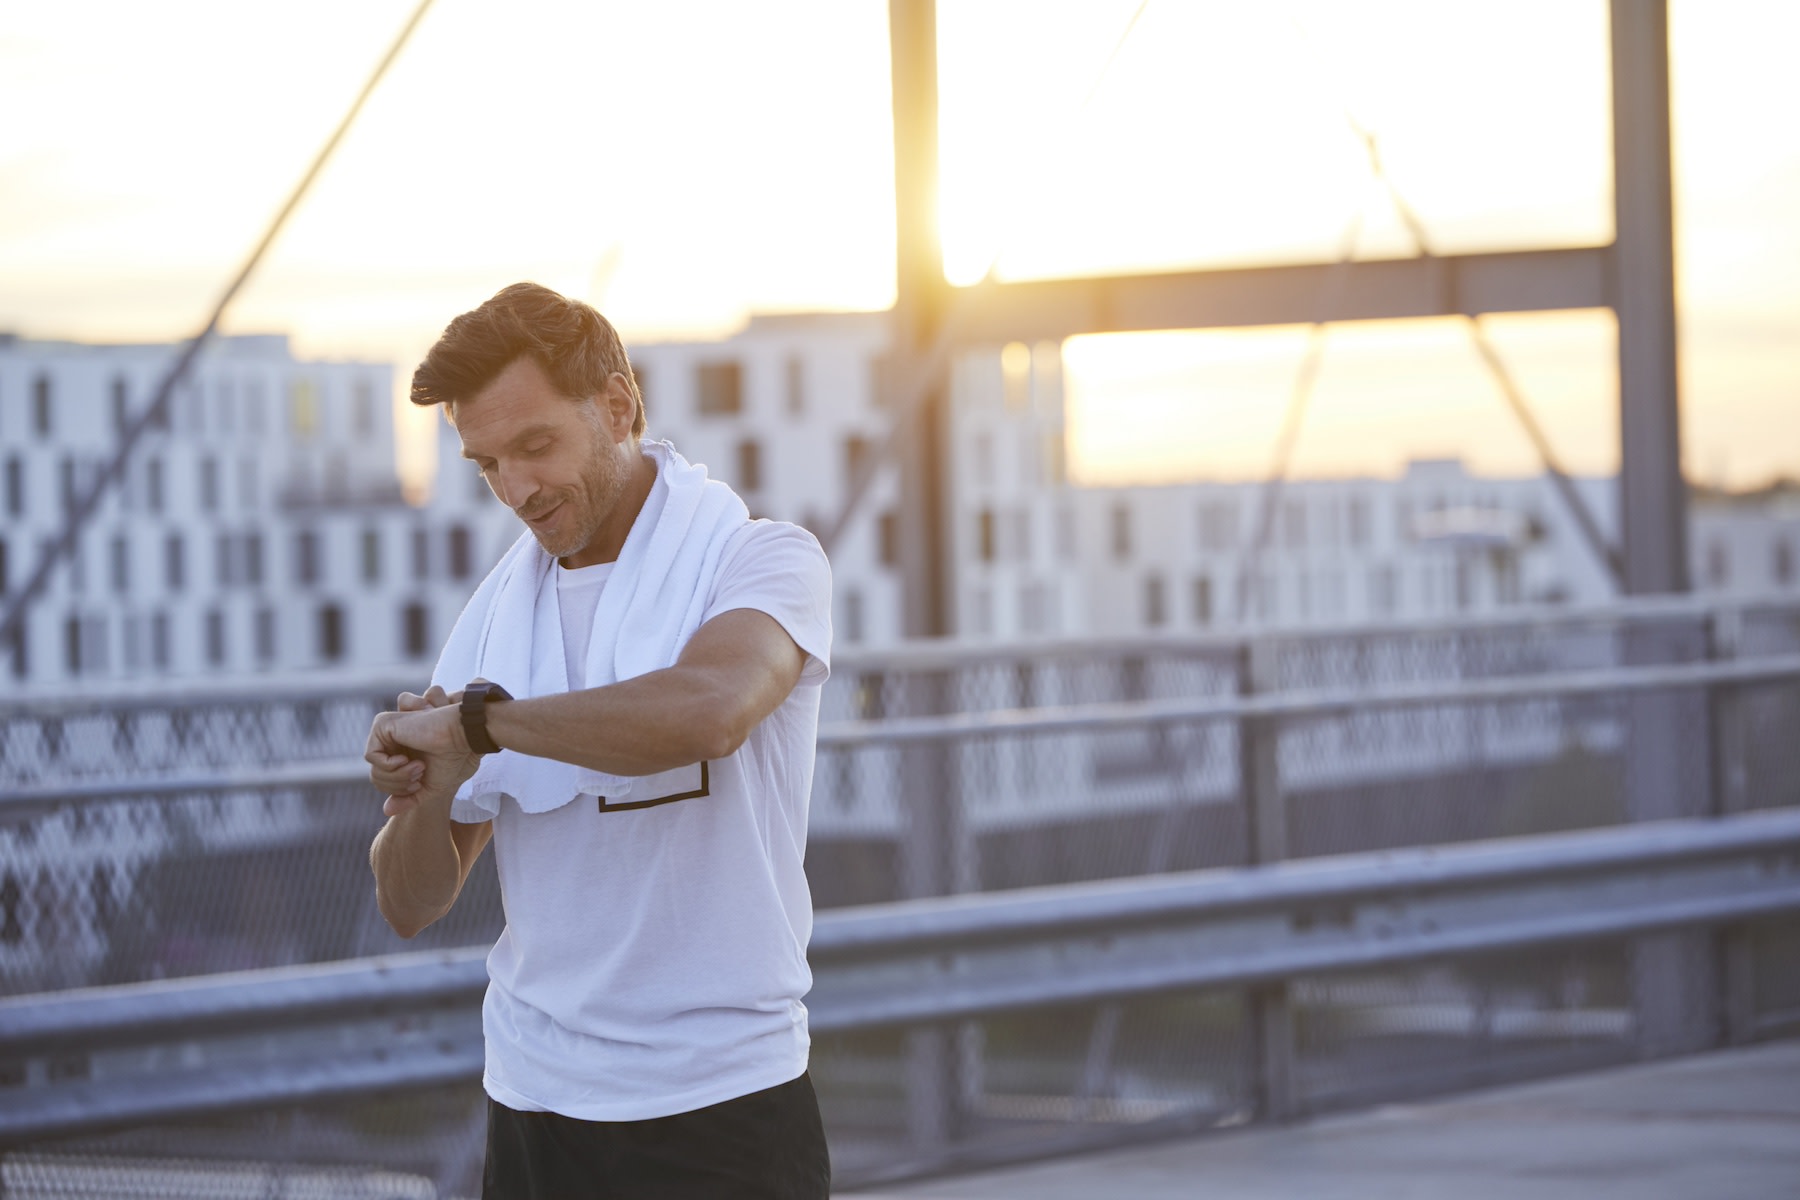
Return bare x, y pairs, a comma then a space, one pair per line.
150, 1051
1300, 704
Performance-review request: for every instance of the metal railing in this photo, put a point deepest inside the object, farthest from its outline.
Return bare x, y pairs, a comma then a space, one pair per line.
228, 833
91, 1059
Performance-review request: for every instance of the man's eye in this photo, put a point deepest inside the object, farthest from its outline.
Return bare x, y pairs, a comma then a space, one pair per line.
538, 447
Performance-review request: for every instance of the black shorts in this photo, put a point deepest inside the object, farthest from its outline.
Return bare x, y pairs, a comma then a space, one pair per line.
768, 1145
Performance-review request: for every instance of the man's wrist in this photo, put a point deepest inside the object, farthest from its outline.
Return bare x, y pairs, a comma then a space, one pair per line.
473, 710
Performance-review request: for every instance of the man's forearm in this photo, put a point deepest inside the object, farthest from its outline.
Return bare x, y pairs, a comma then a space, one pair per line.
656, 722
418, 868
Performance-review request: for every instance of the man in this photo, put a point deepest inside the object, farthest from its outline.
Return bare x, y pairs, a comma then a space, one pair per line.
628, 709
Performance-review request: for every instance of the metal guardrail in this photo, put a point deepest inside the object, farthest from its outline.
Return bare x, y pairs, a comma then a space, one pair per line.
1123, 714
85, 1060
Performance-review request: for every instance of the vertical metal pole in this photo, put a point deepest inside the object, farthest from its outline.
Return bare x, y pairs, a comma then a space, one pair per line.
1652, 493
1675, 975
921, 294
1269, 1032
1731, 794
919, 302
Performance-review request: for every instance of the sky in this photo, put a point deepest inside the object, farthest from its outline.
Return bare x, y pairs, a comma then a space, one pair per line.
685, 164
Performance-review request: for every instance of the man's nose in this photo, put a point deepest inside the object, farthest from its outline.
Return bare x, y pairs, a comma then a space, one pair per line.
514, 485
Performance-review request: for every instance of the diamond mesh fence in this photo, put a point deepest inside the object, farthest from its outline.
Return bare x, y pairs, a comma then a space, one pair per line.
137, 843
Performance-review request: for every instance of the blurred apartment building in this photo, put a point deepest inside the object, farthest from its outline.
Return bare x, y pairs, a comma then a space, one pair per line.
263, 528
260, 529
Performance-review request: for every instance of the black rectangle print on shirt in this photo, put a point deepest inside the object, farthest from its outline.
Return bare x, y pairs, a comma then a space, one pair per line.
665, 787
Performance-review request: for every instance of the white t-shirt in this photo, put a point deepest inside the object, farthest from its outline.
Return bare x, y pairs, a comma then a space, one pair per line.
654, 956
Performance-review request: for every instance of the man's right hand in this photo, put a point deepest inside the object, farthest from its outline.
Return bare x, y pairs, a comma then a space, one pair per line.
403, 775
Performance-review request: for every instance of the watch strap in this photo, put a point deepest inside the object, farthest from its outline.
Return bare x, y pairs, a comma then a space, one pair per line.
475, 699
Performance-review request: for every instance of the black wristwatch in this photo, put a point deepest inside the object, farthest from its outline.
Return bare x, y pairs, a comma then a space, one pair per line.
475, 699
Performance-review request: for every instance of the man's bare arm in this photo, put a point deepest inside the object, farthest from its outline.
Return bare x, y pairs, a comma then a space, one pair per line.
420, 858
736, 670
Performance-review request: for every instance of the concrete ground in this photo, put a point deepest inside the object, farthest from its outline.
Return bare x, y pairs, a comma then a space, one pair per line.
1723, 1126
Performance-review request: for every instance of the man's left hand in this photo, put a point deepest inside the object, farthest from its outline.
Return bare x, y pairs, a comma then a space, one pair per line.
419, 749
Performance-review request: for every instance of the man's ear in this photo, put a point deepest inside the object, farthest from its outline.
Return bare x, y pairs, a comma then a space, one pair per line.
619, 406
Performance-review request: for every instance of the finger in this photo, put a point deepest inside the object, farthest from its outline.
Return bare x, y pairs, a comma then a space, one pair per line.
392, 782
393, 806
408, 702
436, 696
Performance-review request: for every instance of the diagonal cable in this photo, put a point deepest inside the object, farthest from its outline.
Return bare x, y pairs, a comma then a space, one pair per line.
88, 503
918, 382
1578, 509
1298, 400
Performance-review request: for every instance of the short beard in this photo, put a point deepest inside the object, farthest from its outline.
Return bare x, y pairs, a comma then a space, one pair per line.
599, 494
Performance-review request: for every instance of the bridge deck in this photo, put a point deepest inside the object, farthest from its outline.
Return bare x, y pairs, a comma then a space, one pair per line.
1725, 1126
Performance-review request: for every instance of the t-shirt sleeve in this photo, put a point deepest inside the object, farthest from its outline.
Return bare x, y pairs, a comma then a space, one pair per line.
780, 569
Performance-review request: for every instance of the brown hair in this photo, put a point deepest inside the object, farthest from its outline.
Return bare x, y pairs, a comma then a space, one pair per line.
576, 346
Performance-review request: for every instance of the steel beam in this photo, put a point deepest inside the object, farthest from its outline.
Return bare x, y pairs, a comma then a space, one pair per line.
1653, 496
1470, 284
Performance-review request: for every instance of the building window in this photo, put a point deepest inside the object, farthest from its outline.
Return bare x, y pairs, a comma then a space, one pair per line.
888, 530
223, 555
462, 562
414, 630
721, 388
121, 564
1155, 607
371, 556
209, 484
253, 559
331, 632
303, 408
224, 394
247, 484
421, 554
174, 568
215, 638
153, 485
15, 487
856, 457
16, 651
1121, 532
121, 404
306, 557
985, 549
72, 644
1203, 601
265, 634
853, 616
1718, 563
749, 463
796, 385
638, 377
2, 568
40, 405
159, 641
1783, 565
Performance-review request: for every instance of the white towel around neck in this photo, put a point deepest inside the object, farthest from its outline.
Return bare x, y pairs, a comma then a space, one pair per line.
510, 632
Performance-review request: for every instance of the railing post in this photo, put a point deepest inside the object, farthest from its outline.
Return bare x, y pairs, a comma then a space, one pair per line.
933, 859
1269, 1017
1675, 976
1731, 795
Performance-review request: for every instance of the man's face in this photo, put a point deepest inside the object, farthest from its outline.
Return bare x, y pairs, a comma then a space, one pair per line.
554, 461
